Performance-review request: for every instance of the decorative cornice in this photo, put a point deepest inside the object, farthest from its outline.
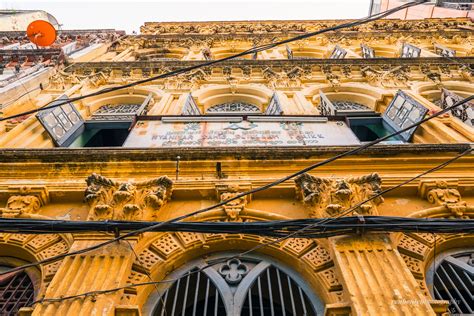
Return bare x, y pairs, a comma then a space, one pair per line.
301, 26
208, 40
356, 62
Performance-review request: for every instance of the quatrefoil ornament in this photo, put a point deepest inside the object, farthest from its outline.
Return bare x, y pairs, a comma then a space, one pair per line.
233, 271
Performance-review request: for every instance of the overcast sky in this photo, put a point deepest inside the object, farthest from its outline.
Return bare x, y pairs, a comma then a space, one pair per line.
130, 15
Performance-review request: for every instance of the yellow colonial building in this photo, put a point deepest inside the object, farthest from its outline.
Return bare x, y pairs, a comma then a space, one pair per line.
172, 146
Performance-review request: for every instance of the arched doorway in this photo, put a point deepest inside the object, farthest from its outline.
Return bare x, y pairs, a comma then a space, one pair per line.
251, 285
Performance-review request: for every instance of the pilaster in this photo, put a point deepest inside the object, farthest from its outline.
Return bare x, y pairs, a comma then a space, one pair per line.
105, 268
376, 278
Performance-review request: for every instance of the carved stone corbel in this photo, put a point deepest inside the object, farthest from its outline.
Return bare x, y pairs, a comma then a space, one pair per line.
334, 80
444, 193
25, 202
109, 199
327, 197
233, 209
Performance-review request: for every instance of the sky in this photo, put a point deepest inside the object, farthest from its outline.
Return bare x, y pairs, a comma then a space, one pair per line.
130, 15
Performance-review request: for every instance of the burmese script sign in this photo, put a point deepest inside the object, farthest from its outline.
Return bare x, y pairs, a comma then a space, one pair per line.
147, 134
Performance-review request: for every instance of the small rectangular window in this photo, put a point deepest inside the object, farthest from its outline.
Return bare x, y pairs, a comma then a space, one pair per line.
63, 123
274, 108
444, 51
338, 53
404, 111
367, 52
289, 52
190, 106
410, 51
464, 112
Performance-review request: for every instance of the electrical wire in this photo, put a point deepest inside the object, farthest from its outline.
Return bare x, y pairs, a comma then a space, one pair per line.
212, 62
278, 228
252, 191
361, 222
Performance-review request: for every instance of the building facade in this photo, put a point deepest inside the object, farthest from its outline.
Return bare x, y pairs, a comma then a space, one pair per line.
174, 145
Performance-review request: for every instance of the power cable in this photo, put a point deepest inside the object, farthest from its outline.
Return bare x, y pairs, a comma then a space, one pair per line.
212, 62
276, 228
258, 189
392, 221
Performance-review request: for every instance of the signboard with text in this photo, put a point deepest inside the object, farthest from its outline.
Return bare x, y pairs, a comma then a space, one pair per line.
147, 134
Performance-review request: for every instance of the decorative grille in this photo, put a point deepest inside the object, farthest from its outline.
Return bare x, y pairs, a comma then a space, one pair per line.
453, 281
236, 287
16, 291
120, 112
444, 51
367, 52
410, 51
190, 107
345, 108
194, 294
234, 107
275, 107
463, 112
338, 53
402, 112
276, 293
61, 122
115, 112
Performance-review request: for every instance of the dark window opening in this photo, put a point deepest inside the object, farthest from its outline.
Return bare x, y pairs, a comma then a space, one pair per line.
365, 133
107, 138
371, 128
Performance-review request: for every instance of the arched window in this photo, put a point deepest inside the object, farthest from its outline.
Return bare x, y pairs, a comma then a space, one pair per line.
16, 291
349, 106
244, 286
451, 277
236, 107
119, 112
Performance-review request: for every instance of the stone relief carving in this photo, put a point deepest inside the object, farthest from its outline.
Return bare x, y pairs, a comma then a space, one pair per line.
328, 197
25, 202
444, 193
233, 271
431, 74
233, 209
109, 199
392, 77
